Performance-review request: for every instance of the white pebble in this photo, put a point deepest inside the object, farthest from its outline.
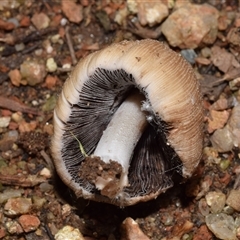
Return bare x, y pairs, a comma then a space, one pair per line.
51, 65
222, 226
68, 232
4, 121
63, 21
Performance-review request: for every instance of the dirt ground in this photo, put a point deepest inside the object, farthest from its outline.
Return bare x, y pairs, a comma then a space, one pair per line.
40, 43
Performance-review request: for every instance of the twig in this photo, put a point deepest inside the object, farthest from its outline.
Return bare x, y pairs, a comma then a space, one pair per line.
31, 48
49, 233
10, 104
70, 46
136, 28
21, 180
35, 35
47, 160
237, 182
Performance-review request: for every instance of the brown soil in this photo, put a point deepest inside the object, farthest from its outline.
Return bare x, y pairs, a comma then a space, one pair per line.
93, 169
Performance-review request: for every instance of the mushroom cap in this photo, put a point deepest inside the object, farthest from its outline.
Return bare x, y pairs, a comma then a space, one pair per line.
167, 81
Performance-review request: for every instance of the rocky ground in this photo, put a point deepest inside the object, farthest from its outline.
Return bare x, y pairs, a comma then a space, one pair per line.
40, 42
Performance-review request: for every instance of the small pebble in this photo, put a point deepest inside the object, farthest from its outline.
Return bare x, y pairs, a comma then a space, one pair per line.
45, 187
63, 22
38, 52
4, 121
228, 210
167, 219
47, 46
14, 21
66, 210
17, 117
149, 12
14, 4
216, 201
131, 230
55, 38
19, 47
187, 236
10, 193
51, 65
45, 172
189, 55
68, 232
50, 104
15, 77
121, 15
233, 199
181, 30
16, 206
223, 140
73, 11
234, 84
25, 21
33, 71
40, 20
50, 81
132, 6
13, 227
29, 223
224, 164
66, 66
206, 52
222, 226
35, 103
38, 202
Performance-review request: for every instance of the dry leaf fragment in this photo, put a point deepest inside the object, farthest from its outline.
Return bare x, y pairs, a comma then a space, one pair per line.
212, 86
233, 36
221, 58
218, 120
72, 11
232, 74
223, 104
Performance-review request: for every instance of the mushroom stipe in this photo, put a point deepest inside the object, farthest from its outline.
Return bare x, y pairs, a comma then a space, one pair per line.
136, 109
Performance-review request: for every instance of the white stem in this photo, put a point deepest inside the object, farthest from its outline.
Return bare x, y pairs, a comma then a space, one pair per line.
122, 134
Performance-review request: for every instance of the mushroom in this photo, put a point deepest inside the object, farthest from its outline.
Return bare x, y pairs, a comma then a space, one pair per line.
128, 117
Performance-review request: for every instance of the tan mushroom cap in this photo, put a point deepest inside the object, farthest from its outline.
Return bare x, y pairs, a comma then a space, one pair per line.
170, 85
